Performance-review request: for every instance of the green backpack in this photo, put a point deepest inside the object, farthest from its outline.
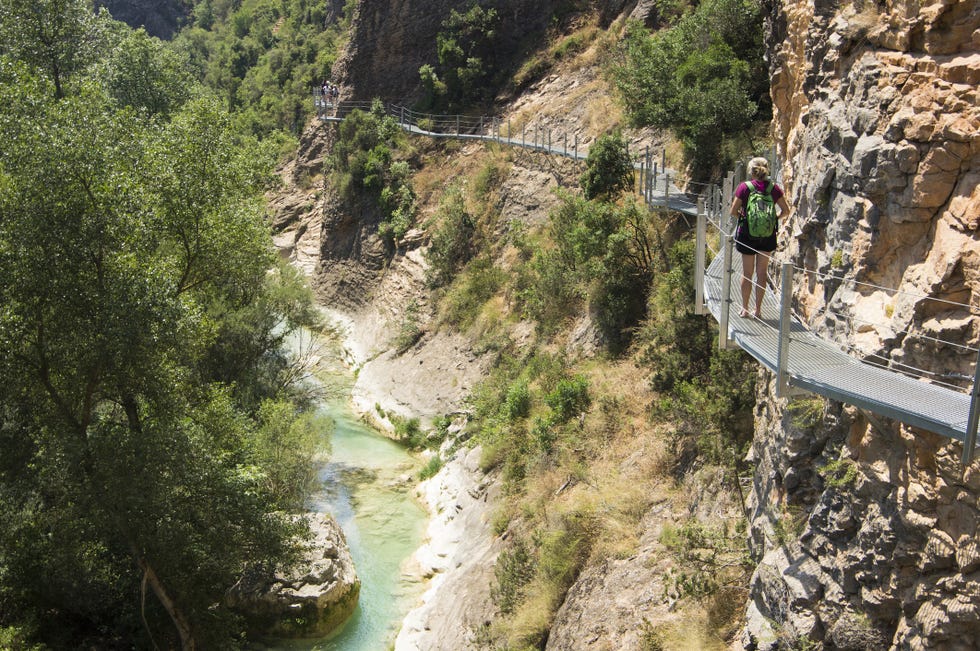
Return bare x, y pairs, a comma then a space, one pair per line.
760, 211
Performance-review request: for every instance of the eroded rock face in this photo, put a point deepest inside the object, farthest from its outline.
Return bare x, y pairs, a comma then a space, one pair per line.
160, 18
313, 600
877, 114
391, 39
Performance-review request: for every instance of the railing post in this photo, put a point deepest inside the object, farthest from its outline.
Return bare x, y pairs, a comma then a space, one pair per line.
726, 291
663, 161
651, 179
641, 181
666, 190
970, 442
785, 324
699, 248
726, 201
403, 115
646, 181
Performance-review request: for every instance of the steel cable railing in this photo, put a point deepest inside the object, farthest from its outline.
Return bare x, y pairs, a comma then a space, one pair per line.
714, 213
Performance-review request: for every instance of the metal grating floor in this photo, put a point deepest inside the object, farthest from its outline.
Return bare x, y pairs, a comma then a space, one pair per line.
817, 365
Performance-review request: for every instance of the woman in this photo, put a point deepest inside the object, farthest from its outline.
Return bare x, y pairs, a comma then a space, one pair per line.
755, 250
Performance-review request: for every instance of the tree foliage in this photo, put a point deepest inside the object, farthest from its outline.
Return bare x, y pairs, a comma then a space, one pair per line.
608, 168
363, 166
704, 77
263, 57
59, 37
708, 393
603, 255
146, 402
466, 48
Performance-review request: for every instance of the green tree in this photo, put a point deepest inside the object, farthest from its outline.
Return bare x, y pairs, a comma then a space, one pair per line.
466, 48
263, 57
603, 252
58, 37
127, 250
704, 77
364, 166
608, 168
142, 72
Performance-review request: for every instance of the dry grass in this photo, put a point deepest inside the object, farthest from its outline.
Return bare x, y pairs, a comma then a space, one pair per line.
690, 631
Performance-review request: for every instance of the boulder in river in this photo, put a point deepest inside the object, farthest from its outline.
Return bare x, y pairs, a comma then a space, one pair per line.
312, 600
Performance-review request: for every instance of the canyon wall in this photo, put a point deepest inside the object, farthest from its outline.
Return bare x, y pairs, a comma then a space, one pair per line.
391, 39
867, 529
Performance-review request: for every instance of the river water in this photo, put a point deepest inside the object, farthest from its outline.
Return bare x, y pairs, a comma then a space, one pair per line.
367, 485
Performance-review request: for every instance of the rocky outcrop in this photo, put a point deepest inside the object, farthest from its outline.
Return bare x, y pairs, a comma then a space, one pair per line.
408, 30
458, 557
313, 600
866, 529
160, 18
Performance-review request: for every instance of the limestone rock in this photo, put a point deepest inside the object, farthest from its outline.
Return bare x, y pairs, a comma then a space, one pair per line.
160, 18
312, 600
408, 29
877, 115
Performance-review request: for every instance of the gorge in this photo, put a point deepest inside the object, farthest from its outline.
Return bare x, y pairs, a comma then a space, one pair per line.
875, 118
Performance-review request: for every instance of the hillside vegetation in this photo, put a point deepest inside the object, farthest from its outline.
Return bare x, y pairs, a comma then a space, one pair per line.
585, 435
154, 437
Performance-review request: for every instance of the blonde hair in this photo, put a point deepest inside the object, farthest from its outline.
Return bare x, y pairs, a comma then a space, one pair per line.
759, 168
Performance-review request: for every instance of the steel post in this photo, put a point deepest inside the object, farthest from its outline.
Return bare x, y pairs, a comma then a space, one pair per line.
726, 291
699, 248
785, 324
970, 442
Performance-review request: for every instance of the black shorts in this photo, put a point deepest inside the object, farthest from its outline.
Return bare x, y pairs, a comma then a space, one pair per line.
748, 245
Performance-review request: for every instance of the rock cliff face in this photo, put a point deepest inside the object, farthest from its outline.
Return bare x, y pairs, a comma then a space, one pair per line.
160, 17
876, 116
391, 39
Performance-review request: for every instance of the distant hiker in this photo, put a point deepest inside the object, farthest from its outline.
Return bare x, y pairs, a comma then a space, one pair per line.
755, 236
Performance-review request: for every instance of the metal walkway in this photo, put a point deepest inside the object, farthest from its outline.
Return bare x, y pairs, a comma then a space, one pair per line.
816, 365
779, 342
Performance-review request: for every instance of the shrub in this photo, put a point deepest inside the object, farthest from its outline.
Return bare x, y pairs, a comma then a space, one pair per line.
708, 392
453, 241
408, 431
609, 168
410, 330
569, 398
363, 165
839, 473
430, 469
512, 572
518, 403
704, 78
471, 291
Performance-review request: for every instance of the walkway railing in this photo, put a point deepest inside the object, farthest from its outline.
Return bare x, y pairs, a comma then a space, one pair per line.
778, 338
800, 359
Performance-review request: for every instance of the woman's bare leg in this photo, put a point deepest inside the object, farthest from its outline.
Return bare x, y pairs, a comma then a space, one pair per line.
748, 264
761, 269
